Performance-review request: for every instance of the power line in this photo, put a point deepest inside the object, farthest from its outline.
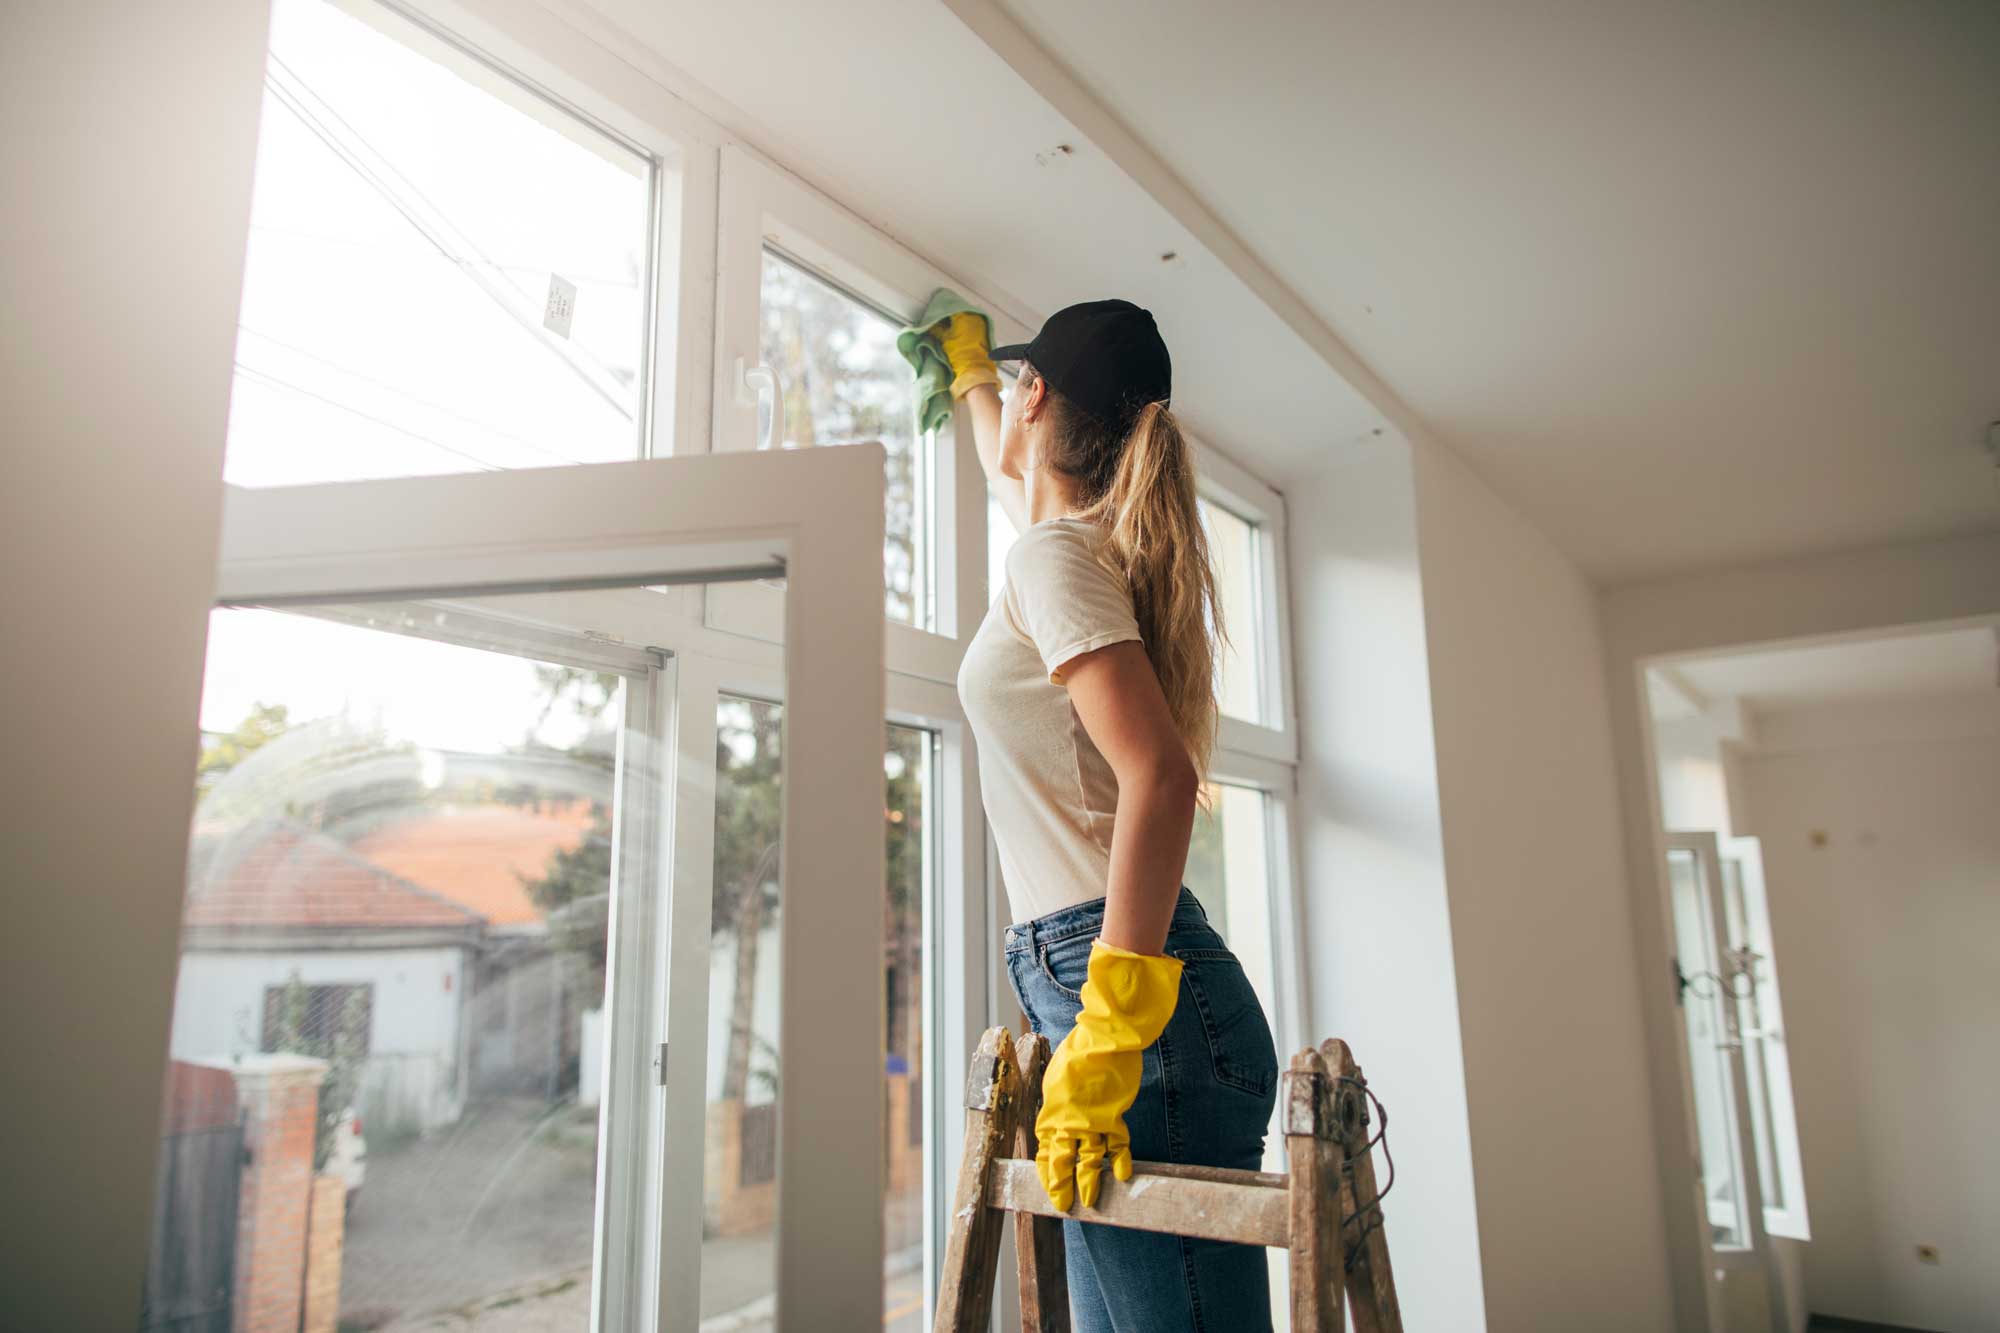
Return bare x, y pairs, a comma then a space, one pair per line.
405, 393
294, 99
265, 377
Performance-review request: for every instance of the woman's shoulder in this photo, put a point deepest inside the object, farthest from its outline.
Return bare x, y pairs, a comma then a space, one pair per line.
1055, 543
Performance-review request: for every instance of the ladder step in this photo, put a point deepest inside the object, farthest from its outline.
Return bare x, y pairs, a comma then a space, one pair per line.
1246, 1207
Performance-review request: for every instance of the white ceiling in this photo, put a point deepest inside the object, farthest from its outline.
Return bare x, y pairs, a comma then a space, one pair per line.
1689, 284
1952, 662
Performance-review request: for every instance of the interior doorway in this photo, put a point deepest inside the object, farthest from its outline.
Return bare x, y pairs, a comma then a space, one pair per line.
1827, 825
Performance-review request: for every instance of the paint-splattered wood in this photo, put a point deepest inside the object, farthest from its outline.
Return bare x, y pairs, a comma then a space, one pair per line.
1313, 1161
1371, 1283
1249, 1211
972, 1249
1038, 1240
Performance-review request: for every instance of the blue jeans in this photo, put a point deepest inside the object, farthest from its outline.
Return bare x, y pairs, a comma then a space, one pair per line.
1206, 1092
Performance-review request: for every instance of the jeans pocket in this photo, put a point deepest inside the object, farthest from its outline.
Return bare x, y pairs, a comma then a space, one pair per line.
1065, 965
1239, 1035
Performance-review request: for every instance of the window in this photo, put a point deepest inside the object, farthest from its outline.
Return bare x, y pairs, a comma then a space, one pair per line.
316, 1020
1229, 868
1000, 537
744, 1055
1233, 549
447, 272
844, 381
394, 954
529, 252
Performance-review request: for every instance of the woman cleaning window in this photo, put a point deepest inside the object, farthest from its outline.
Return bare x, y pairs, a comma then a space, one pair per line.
1090, 688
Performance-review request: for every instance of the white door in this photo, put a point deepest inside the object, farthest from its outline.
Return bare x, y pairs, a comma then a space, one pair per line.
1716, 985
455, 861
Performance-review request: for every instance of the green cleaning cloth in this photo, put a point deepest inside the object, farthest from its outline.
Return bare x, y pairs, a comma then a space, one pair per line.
920, 348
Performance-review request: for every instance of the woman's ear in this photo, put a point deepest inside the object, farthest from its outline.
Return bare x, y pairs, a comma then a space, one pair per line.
1034, 396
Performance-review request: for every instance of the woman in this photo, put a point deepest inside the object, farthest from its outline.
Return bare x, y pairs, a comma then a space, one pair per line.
1089, 688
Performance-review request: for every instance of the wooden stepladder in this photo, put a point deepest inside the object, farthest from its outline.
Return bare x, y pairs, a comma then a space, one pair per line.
1336, 1246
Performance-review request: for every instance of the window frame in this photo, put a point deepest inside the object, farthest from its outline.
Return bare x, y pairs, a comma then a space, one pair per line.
1228, 485
540, 531
761, 206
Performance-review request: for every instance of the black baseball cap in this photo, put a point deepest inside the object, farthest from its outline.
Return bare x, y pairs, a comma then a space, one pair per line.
1107, 357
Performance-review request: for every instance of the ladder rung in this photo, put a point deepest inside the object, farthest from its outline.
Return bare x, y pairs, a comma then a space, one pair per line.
1246, 1207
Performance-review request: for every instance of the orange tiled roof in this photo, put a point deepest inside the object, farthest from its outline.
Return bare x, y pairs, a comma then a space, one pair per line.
293, 876
476, 856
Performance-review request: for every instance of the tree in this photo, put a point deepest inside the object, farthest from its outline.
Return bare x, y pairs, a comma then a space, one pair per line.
264, 724
845, 382
574, 893
748, 818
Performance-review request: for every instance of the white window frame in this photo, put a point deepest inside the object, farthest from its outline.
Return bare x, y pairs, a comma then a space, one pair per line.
536, 532
1228, 485
761, 205
1279, 784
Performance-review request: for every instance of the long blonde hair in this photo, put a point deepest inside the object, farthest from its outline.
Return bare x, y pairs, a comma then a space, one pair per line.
1139, 483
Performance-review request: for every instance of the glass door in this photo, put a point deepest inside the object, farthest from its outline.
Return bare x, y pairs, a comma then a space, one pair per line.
1716, 982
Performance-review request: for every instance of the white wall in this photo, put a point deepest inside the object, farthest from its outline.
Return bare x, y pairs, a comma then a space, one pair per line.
127, 134
1378, 946
413, 1072
763, 1012
1890, 939
1555, 1072
1913, 584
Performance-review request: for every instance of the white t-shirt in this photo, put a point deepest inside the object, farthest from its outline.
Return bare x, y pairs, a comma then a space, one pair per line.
1050, 795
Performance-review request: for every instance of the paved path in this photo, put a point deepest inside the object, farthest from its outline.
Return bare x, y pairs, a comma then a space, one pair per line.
486, 1228
499, 1201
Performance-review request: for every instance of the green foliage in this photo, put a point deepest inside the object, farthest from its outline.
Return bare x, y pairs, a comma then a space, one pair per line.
574, 893
845, 382
265, 724
749, 811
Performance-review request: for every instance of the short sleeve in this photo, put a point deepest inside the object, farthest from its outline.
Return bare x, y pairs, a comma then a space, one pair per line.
1062, 599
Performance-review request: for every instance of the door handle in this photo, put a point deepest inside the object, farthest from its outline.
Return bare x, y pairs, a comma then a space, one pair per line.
750, 381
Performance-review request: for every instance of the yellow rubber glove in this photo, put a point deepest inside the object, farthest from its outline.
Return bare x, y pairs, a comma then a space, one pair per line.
1093, 1076
963, 338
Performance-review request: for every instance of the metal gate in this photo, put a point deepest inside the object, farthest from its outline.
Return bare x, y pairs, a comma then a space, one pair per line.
190, 1273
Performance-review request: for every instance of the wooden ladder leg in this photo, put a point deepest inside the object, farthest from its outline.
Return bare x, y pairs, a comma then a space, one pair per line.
1371, 1283
1038, 1241
972, 1250
1313, 1162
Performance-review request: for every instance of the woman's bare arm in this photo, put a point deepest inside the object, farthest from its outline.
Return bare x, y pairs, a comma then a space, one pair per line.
1117, 695
983, 402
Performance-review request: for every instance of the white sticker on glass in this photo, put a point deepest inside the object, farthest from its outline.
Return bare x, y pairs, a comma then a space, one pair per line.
561, 307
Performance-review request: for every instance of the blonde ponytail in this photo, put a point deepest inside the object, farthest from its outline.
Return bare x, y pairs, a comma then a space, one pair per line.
1158, 544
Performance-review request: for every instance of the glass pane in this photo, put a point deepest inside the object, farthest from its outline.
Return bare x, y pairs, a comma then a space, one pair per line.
1000, 537
739, 1192
1708, 1050
392, 981
445, 272
1752, 979
845, 383
908, 769
1233, 547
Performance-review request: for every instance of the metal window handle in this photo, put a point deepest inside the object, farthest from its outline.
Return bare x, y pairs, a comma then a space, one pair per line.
750, 382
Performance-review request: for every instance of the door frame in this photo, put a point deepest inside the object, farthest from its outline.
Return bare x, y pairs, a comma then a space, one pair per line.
816, 517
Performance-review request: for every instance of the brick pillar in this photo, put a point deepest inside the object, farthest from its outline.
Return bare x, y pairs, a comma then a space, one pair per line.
326, 1233
280, 1095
